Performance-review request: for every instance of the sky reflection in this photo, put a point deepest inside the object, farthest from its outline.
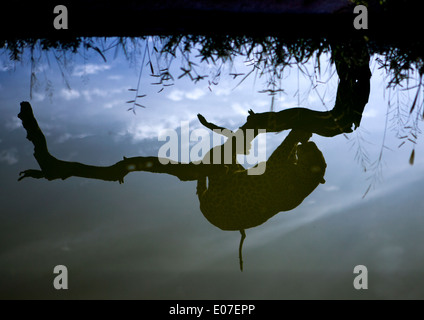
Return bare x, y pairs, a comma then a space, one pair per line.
147, 238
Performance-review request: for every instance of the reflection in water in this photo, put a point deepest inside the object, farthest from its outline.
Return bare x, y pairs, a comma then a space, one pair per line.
235, 200
231, 198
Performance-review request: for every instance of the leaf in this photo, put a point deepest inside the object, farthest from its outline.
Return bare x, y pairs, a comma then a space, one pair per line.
244, 78
366, 192
132, 89
141, 96
88, 46
151, 67
235, 75
412, 157
130, 101
185, 72
139, 105
100, 52
415, 101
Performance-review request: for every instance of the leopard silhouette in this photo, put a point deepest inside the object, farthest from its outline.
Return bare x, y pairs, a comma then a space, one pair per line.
234, 200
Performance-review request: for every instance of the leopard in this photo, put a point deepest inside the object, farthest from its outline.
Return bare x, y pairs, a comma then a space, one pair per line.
234, 200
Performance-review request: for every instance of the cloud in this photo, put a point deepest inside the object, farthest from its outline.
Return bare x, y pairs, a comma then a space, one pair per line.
13, 123
69, 94
195, 94
370, 113
178, 95
222, 91
5, 68
239, 109
152, 128
90, 68
66, 136
40, 68
9, 156
114, 103
262, 103
89, 94
313, 98
115, 77
38, 97
331, 188
139, 132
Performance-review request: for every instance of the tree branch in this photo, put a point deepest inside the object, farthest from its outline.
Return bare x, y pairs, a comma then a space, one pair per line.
352, 96
52, 168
